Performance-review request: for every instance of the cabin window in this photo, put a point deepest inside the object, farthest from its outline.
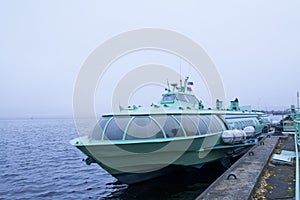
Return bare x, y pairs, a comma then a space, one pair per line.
116, 128
143, 128
195, 119
237, 125
192, 99
181, 97
248, 122
169, 97
156, 126
216, 122
99, 128
171, 127
211, 123
202, 126
251, 123
240, 125
187, 124
243, 124
232, 126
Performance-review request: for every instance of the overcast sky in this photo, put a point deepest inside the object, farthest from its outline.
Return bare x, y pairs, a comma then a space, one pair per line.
254, 45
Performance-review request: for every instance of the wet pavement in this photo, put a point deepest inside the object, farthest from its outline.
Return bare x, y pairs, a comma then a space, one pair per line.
240, 180
278, 178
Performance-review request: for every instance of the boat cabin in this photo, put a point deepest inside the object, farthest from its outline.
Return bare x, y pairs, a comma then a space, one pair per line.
155, 126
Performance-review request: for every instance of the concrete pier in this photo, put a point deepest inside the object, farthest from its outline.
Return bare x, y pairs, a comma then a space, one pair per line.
240, 180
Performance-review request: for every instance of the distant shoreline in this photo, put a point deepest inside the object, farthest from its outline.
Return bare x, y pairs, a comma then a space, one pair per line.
280, 113
33, 118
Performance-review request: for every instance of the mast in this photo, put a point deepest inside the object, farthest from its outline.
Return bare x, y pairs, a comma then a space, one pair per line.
298, 100
185, 83
168, 85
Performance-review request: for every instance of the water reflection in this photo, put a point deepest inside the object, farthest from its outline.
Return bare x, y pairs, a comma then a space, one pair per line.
187, 183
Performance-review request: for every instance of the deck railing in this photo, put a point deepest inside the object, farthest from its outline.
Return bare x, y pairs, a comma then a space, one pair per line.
297, 144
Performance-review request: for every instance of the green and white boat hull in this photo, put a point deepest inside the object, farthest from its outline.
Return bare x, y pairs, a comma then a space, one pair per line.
138, 161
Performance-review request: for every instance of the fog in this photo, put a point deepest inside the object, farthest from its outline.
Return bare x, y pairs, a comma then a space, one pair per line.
43, 44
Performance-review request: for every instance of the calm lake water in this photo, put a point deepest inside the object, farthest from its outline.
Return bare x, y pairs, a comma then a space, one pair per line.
37, 162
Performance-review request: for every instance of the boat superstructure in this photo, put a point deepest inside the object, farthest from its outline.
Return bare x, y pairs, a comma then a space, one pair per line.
286, 124
138, 144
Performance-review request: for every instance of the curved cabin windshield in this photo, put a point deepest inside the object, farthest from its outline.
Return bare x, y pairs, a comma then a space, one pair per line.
192, 99
189, 98
155, 127
169, 97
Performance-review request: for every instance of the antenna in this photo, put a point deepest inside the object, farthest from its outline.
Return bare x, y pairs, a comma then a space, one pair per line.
185, 83
180, 85
298, 100
168, 85
189, 70
180, 76
180, 70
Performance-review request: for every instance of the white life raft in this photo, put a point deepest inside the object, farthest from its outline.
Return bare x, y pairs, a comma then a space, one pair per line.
233, 136
250, 131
